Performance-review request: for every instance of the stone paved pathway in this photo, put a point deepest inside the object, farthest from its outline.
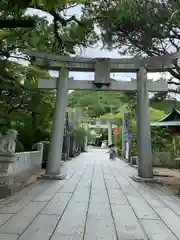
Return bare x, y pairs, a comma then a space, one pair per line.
98, 200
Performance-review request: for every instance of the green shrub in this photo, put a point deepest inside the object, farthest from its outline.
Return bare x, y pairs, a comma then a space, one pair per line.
19, 146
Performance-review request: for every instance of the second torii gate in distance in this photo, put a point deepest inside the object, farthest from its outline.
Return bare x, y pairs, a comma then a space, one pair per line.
102, 68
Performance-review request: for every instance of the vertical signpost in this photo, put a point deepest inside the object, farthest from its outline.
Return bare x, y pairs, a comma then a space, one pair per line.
86, 136
126, 137
66, 124
72, 124
66, 137
72, 121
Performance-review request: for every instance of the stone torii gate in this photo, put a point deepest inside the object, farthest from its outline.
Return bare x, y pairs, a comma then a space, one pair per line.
97, 123
102, 68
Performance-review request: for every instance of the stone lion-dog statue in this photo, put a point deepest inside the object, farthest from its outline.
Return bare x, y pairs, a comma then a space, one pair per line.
8, 141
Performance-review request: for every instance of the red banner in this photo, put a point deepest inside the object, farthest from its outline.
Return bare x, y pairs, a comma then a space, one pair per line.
115, 130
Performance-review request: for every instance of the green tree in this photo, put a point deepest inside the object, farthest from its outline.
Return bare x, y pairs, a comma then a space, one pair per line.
22, 105
95, 104
139, 27
64, 29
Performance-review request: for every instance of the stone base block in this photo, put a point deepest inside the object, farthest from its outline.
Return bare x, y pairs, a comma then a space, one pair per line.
145, 180
7, 190
60, 176
12, 184
17, 169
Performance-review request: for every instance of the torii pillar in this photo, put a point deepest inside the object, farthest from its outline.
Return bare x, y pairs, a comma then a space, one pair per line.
56, 143
144, 147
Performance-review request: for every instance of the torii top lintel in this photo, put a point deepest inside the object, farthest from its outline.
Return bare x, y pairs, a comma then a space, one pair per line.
52, 61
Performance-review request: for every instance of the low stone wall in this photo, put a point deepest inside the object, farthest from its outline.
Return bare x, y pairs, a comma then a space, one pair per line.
160, 159
16, 169
163, 159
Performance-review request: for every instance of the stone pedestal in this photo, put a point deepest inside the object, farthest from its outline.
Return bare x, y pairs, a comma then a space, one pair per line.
7, 178
16, 169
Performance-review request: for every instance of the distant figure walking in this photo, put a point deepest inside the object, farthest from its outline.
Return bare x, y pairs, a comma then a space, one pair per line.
112, 152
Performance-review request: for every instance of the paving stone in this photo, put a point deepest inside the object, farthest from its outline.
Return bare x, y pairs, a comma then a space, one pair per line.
139, 205
41, 228
141, 208
171, 219
156, 198
9, 199
157, 230
27, 193
22, 199
122, 181
49, 193
150, 198
18, 223
57, 204
71, 185
38, 208
128, 190
168, 201
9, 236
99, 224
85, 183
4, 218
127, 225
172, 204
99, 191
73, 220
98, 209
112, 184
81, 195
101, 236
117, 196
13, 208
60, 237
158, 192
99, 198
98, 183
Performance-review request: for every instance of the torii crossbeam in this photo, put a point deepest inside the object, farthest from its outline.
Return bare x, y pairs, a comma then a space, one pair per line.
120, 85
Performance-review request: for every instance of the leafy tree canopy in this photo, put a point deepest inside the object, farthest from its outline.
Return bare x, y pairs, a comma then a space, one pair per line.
139, 27
67, 32
22, 105
96, 104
